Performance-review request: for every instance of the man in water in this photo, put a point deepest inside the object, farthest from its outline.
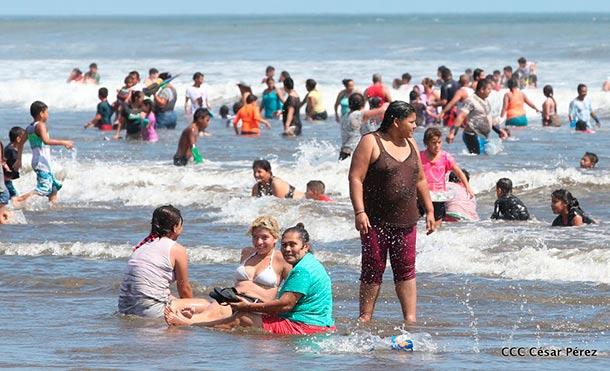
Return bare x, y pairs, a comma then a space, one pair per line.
378, 90
187, 145
581, 109
165, 101
526, 73
448, 89
92, 76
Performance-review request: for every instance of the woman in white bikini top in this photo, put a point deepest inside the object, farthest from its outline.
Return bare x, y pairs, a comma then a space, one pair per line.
267, 278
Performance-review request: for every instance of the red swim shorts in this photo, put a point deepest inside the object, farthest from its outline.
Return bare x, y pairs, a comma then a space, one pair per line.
380, 239
283, 326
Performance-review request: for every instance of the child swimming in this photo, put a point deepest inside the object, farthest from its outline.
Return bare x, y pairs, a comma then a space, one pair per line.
508, 206
589, 160
567, 208
316, 191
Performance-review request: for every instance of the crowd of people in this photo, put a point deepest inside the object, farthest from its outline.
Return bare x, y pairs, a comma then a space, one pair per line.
392, 185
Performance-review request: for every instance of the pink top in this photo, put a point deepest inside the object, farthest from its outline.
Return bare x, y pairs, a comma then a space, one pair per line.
149, 133
435, 171
461, 206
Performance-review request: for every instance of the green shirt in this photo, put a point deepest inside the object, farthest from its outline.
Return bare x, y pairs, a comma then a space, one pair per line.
105, 110
309, 278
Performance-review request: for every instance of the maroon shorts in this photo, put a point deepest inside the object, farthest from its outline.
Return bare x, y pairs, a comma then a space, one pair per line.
283, 326
380, 239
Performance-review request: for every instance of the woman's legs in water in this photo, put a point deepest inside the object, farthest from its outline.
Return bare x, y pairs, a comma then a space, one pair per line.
368, 297
407, 295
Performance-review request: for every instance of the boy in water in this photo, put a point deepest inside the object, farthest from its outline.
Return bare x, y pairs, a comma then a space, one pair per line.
103, 115
12, 156
38, 136
92, 76
188, 140
508, 206
315, 191
588, 160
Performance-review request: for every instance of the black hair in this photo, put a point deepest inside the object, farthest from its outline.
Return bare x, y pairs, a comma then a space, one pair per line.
355, 101
548, 92
521, 60
580, 125
17, 131
346, 82
566, 197
413, 95
406, 76
592, 156
453, 178
135, 74
251, 98
432, 132
310, 84
197, 75
200, 113
300, 229
580, 86
476, 74
512, 83
164, 75
497, 72
135, 95
153, 70
262, 164
102, 93
376, 78
505, 185
37, 108
508, 68
375, 102
269, 69
396, 110
128, 78
164, 219
149, 103
288, 83
482, 84
237, 106
445, 73
468, 71
93, 65
285, 74
77, 71
224, 110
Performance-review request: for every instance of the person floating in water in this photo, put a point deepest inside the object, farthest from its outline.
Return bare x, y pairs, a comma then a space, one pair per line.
508, 206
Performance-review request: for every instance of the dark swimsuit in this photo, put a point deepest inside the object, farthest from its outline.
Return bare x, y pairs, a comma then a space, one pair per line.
574, 211
510, 208
265, 189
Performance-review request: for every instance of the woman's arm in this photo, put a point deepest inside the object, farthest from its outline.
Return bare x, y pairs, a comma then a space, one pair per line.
180, 261
424, 193
279, 188
337, 104
361, 159
529, 103
504, 105
289, 117
282, 305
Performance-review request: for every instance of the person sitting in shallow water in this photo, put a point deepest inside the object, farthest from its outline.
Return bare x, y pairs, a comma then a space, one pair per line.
258, 276
508, 206
269, 185
304, 303
567, 208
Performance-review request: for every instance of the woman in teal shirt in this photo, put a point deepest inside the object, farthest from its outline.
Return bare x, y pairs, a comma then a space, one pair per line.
304, 304
271, 103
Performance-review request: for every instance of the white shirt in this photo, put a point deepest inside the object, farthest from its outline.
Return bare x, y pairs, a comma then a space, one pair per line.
193, 93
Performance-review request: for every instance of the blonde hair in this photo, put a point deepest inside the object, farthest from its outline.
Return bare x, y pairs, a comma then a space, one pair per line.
268, 222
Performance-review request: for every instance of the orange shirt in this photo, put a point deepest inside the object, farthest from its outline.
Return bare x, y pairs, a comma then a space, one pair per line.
250, 116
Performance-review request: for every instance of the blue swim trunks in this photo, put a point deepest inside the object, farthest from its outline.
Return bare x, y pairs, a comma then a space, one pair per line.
46, 183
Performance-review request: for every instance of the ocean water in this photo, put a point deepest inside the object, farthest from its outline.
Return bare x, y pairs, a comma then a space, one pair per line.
482, 286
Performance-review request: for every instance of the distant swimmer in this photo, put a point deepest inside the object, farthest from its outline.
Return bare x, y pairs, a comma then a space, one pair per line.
314, 102
38, 136
582, 110
465, 90
76, 76
269, 185
508, 206
187, 145
513, 105
568, 210
103, 115
378, 90
156, 263
589, 160
549, 108
290, 110
250, 118
342, 99
477, 119
92, 76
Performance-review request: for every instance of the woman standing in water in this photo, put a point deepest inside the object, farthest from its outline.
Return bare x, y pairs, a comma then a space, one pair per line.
385, 178
290, 110
513, 105
342, 99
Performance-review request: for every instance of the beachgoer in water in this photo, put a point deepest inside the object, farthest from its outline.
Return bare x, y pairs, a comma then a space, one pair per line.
513, 105
448, 90
250, 117
496, 79
244, 91
103, 114
269, 72
92, 76
313, 102
12, 155
354, 124
378, 90
507, 74
269, 185
386, 177
156, 263
304, 303
460, 96
462, 206
526, 73
477, 75
149, 133
549, 108
581, 109
589, 160
480, 122
153, 77
271, 105
405, 82
316, 190
508, 206
436, 164
283, 76
259, 275
568, 210
165, 101
196, 94
420, 107
5, 195
432, 99
76, 76
189, 136
290, 110
342, 99
38, 136
130, 115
